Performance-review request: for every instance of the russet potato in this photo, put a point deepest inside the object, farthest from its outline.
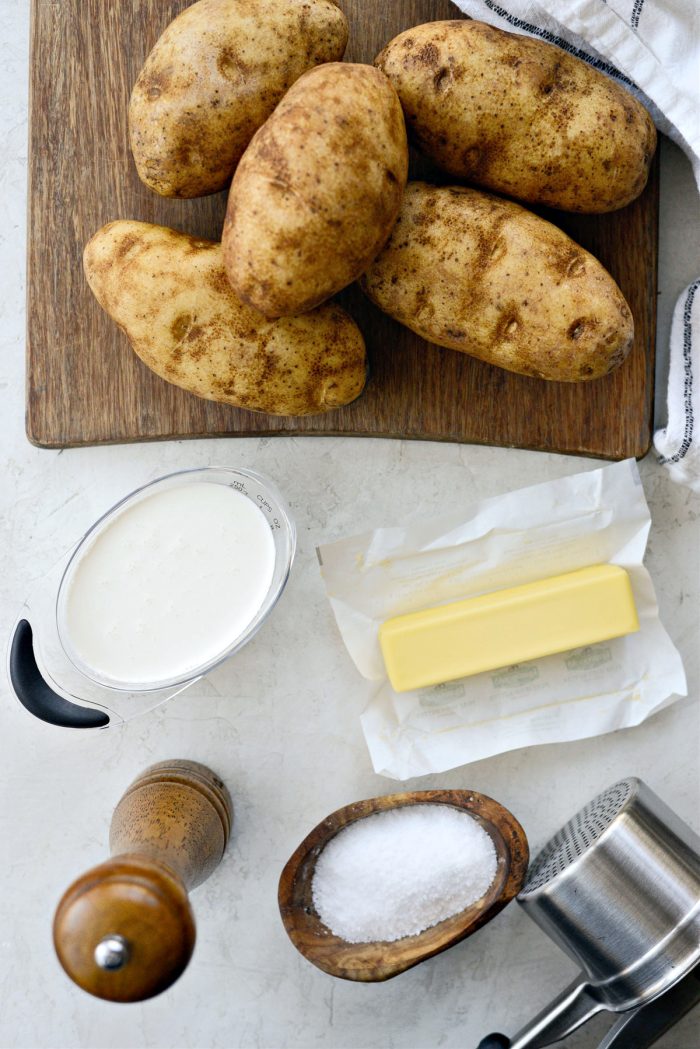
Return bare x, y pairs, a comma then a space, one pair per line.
480, 274
170, 295
520, 116
317, 192
212, 80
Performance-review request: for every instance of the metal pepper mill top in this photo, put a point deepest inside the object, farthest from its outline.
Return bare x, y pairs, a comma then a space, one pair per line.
124, 931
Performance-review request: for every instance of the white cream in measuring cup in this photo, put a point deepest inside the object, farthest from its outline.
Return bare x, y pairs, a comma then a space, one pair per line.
168, 584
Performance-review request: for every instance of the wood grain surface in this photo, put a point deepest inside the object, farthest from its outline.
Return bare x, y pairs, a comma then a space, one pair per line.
86, 386
168, 834
178, 813
378, 961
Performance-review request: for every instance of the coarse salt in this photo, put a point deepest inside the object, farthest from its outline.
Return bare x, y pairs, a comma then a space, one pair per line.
398, 872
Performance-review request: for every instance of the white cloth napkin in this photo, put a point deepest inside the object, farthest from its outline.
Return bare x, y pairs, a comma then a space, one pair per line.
653, 48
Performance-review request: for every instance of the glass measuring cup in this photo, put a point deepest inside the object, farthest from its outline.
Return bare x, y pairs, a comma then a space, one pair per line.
48, 676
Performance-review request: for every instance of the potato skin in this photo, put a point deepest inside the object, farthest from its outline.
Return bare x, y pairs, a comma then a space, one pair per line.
317, 191
169, 294
520, 116
483, 275
214, 77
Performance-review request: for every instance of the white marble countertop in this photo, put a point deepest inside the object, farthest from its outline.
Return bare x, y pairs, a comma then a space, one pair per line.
281, 724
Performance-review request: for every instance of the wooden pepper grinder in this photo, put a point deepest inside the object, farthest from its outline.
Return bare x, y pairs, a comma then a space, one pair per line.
124, 931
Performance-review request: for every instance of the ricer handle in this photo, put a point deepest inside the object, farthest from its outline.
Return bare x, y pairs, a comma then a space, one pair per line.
568, 1011
36, 695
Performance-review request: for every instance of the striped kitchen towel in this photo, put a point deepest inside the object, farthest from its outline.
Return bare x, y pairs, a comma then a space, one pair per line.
653, 48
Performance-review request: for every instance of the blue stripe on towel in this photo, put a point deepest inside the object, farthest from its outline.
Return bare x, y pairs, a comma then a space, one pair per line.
544, 34
689, 428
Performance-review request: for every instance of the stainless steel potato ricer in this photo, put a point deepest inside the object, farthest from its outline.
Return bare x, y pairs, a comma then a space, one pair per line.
618, 889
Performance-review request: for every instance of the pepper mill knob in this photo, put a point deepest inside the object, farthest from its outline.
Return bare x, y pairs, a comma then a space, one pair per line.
124, 931
112, 952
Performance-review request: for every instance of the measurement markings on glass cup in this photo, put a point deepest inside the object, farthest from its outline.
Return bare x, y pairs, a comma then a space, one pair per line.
264, 505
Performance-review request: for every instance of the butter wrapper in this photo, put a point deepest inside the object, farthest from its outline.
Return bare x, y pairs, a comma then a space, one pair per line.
589, 518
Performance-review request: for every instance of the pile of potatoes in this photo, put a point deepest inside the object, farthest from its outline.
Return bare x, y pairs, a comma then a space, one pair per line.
253, 92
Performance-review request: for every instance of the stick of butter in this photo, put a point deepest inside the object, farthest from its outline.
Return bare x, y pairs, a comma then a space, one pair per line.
508, 626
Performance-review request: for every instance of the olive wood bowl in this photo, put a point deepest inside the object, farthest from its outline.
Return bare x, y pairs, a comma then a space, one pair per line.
381, 960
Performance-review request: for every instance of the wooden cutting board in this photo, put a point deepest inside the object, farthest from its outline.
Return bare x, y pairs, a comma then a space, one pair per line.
86, 386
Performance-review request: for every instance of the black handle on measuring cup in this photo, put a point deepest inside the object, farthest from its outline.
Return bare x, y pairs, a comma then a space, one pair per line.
494, 1041
39, 698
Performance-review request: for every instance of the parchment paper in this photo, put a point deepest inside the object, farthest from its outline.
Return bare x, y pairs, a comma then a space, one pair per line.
590, 518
